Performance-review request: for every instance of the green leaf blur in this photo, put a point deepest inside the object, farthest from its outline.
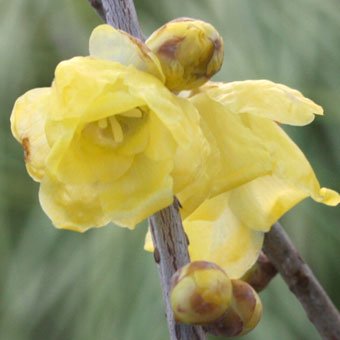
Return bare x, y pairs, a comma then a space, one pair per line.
102, 285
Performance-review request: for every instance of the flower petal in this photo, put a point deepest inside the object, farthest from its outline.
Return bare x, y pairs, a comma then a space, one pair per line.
217, 235
87, 90
73, 207
265, 99
263, 201
109, 43
161, 145
83, 161
143, 190
28, 127
237, 155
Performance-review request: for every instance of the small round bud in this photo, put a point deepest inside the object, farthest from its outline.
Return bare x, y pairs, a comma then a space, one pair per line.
248, 305
243, 314
200, 293
190, 52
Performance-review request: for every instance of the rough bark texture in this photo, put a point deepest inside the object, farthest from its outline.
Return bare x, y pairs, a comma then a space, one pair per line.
171, 254
168, 235
302, 282
260, 275
120, 14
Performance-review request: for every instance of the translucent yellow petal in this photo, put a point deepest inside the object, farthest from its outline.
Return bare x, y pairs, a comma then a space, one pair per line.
261, 202
237, 155
265, 99
217, 235
109, 43
143, 190
179, 116
161, 145
90, 89
291, 164
73, 207
84, 160
192, 156
28, 127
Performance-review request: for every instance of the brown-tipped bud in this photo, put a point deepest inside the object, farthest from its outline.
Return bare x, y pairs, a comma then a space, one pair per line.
243, 314
200, 293
190, 52
260, 274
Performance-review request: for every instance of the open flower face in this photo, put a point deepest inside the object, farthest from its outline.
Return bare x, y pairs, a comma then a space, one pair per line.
102, 139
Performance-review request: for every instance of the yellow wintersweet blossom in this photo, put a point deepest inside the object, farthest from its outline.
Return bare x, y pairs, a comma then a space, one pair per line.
236, 218
102, 139
109, 141
254, 174
260, 104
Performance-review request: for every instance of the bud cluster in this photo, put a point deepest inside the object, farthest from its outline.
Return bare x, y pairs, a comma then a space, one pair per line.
203, 294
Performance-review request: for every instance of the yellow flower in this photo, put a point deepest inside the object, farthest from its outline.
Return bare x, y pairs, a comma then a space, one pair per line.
259, 104
108, 141
254, 174
227, 226
102, 139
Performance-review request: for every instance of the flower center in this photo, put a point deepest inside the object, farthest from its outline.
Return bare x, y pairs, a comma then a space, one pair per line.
110, 131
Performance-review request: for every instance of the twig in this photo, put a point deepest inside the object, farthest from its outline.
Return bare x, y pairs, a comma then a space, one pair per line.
168, 234
260, 275
120, 14
171, 253
98, 6
302, 282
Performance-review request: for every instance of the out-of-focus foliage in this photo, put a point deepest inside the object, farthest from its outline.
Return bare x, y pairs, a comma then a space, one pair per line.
101, 285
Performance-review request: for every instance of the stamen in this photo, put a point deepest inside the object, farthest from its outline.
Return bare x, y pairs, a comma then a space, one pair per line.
134, 113
102, 123
116, 129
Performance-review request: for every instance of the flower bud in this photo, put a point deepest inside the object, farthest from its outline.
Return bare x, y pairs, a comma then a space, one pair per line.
243, 314
200, 293
248, 305
190, 52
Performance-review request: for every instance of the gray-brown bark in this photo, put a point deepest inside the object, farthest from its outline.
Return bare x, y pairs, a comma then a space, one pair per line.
302, 282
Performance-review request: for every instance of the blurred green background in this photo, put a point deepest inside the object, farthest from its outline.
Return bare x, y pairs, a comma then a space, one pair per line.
102, 285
